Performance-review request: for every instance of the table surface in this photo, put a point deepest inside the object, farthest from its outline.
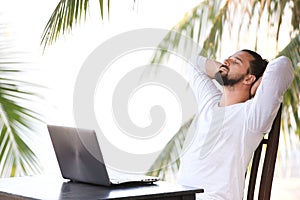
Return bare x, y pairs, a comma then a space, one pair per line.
40, 187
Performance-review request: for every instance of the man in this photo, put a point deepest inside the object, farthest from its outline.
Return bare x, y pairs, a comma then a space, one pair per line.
229, 125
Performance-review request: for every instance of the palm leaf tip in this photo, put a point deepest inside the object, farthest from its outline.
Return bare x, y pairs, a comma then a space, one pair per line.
167, 162
65, 16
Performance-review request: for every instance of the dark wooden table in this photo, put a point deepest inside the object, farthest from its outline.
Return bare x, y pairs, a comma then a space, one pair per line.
40, 187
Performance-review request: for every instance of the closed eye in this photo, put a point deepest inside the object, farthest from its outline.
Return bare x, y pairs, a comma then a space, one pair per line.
236, 60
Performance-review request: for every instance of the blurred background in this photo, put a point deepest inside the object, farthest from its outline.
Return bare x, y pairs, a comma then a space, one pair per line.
41, 56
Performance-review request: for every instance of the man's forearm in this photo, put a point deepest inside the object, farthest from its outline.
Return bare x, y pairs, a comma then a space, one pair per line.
212, 67
206, 65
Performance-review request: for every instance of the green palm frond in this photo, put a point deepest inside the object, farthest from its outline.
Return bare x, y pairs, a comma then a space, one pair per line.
167, 163
207, 23
195, 25
275, 11
291, 99
17, 122
66, 14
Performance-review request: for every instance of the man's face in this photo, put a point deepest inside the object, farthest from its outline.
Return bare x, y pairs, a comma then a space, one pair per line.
234, 69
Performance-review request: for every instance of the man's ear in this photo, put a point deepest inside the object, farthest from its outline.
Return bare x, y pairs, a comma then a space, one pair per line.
255, 86
249, 79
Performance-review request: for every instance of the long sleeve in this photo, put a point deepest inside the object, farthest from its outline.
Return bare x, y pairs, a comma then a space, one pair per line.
276, 80
203, 87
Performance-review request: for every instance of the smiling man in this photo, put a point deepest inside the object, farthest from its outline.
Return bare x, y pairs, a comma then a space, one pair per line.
230, 124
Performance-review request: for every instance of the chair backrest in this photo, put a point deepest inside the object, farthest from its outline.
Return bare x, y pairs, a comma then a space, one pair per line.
268, 167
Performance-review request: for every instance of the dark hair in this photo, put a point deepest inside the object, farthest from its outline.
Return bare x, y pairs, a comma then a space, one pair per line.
258, 65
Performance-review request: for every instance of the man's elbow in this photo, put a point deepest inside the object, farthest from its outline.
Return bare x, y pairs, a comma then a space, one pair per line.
286, 67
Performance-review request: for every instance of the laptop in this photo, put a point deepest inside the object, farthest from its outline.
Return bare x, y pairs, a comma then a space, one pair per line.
80, 158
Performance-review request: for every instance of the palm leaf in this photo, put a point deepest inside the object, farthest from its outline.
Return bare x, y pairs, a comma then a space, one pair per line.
195, 25
66, 14
207, 22
17, 122
167, 163
291, 98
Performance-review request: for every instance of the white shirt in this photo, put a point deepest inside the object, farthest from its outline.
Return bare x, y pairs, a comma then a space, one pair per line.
221, 140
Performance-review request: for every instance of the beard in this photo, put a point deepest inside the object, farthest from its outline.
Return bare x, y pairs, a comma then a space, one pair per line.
224, 80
